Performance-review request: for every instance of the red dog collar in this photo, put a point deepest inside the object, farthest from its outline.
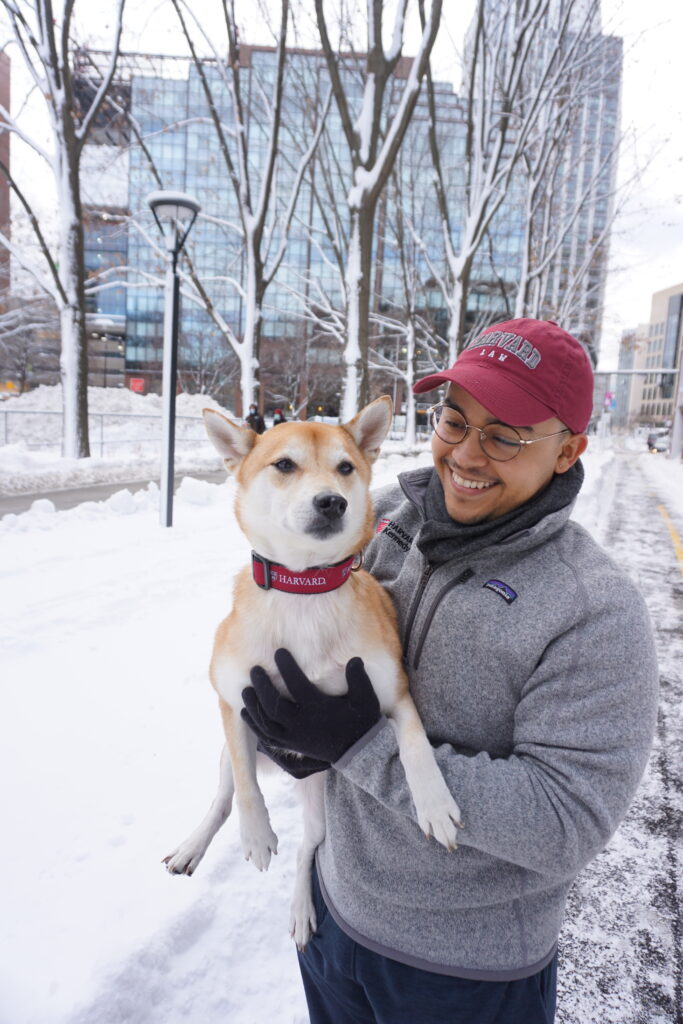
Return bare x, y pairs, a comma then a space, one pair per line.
271, 576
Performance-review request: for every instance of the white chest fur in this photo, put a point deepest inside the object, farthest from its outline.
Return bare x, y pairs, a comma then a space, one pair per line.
322, 631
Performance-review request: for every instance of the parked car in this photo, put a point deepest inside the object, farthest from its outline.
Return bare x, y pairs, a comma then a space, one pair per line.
658, 442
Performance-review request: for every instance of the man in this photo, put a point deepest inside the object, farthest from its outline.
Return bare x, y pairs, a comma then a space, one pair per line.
531, 662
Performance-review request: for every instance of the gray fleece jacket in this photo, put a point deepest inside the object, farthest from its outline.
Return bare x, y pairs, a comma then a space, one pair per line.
532, 665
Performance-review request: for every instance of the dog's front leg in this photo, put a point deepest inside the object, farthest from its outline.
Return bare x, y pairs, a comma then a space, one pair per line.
302, 923
258, 839
437, 812
185, 858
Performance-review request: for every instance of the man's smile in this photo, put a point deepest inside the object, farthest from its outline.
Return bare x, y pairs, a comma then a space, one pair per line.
468, 484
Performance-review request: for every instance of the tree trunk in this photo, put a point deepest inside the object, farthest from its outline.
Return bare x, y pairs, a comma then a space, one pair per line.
358, 283
250, 352
411, 358
74, 351
458, 310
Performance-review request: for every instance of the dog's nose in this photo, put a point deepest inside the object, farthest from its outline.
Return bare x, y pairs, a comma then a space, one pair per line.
331, 505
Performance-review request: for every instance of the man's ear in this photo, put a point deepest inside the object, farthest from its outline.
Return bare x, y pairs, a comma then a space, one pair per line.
571, 450
230, 440
370, 426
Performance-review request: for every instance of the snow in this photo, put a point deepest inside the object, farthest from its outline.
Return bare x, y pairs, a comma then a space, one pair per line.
109, 745
124, 449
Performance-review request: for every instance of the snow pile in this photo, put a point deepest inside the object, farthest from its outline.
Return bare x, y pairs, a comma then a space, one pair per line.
125, 439
666, 477
48, 398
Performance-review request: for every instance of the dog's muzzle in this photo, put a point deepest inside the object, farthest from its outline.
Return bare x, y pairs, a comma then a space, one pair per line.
331, 506
329, 509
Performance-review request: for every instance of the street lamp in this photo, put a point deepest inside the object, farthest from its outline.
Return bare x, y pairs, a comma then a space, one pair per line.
175, 213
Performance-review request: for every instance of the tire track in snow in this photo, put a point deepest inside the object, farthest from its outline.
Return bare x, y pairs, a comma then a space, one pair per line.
622, 946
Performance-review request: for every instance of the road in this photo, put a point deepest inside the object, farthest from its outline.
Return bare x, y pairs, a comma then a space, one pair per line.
71, 497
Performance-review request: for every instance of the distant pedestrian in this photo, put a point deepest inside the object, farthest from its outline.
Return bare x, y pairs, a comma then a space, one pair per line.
255, 420
279, 417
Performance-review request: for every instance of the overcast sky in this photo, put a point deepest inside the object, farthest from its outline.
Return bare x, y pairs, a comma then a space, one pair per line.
647, 241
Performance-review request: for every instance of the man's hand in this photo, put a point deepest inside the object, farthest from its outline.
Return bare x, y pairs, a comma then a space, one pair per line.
312, 723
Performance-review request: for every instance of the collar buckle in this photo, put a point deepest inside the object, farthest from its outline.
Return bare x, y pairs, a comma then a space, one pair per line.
262, 564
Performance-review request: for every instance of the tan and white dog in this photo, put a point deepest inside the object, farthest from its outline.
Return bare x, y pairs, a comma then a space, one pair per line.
303, 501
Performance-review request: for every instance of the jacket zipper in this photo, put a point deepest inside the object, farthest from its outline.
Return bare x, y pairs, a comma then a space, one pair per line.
424, 580
462, 578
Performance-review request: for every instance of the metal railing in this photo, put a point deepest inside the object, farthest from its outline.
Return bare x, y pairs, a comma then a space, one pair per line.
41, 428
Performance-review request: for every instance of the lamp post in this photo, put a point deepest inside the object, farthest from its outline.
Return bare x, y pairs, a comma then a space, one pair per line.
175, 213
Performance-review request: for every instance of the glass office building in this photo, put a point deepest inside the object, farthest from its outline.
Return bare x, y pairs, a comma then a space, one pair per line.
174, 144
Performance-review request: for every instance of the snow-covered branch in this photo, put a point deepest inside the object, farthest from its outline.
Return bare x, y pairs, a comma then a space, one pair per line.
107, 78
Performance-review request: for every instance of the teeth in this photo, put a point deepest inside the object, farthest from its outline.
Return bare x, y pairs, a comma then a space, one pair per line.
474, 485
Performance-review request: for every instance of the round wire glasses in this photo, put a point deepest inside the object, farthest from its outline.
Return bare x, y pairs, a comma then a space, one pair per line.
498, 442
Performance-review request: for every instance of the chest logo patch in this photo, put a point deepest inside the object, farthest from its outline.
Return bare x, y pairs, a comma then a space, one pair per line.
391, 529
507, 593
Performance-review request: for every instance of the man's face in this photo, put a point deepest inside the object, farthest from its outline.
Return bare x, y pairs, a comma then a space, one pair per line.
506, 485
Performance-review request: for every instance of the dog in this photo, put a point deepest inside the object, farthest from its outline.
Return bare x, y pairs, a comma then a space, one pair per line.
303, 502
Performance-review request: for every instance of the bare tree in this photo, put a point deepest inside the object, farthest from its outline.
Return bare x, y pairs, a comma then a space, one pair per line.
43, 42
505, 109
205, 367
406, 334
28, 328
264, 223
569, 174
373, 138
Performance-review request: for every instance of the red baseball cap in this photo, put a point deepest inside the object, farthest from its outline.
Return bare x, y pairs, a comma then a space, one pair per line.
524, 371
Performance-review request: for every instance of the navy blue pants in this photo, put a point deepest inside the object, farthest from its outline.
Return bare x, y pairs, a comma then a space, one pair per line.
345, 983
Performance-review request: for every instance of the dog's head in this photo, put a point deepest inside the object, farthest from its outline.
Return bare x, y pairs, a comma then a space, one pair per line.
303, 489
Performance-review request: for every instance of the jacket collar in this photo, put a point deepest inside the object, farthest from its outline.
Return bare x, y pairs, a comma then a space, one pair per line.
459, 540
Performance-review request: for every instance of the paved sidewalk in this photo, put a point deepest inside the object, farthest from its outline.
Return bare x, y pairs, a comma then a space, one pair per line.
73, 496
621, 949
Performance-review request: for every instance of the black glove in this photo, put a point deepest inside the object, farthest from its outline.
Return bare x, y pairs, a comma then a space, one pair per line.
296, 765
313, 723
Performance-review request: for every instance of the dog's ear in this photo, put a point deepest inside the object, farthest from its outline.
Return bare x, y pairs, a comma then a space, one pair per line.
230, 440
371, 426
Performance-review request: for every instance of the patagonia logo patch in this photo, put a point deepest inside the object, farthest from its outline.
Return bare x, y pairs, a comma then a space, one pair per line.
507, 593
391, 529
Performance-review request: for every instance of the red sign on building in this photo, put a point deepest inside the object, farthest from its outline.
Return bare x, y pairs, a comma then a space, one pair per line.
137, 384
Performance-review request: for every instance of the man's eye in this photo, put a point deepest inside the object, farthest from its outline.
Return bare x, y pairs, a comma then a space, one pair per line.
285, 465
345, 468
505, 442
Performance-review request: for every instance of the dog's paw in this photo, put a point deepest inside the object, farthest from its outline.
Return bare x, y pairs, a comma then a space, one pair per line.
258, 843
302, 921
185, 858
439, 816
442, 825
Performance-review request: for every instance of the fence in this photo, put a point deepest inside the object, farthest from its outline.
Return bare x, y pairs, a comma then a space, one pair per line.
43, 429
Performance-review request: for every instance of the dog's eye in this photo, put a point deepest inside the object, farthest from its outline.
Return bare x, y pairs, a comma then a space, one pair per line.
345, 468
285, 465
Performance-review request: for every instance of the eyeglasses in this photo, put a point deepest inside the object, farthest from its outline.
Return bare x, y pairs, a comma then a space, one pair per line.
499, 442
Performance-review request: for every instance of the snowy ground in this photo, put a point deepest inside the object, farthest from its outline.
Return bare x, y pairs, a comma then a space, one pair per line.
109, 745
